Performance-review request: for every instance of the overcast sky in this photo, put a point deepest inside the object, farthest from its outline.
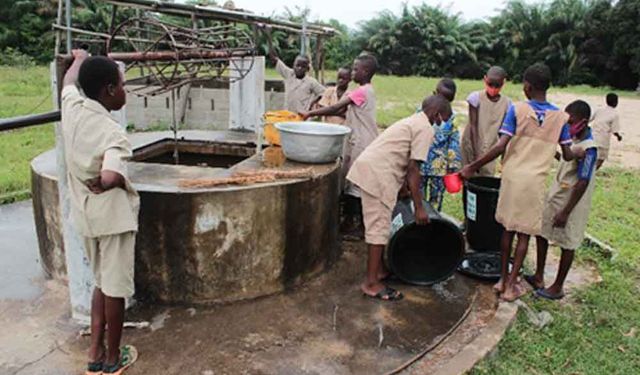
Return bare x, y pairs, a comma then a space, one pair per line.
350, 12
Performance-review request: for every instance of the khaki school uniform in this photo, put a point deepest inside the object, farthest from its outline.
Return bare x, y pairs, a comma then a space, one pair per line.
361, 118
605, 122
490, 116
526, 164
570, 237
94, 141
381, 169
298, 93
329, 98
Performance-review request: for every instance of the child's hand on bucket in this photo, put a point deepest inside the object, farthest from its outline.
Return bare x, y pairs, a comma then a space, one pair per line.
422, 218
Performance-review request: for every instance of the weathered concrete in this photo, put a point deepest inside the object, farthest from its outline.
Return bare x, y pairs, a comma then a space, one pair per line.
219, 244
323, 327
207, 106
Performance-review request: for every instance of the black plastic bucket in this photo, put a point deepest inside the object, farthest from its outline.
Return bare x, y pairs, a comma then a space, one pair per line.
423, 255
481, 199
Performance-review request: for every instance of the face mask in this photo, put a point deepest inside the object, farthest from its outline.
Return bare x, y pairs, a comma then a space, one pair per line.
491, 91
575, 129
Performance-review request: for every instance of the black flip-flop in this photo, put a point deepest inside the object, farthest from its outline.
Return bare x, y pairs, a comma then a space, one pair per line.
543, 294
530, 279
387, 294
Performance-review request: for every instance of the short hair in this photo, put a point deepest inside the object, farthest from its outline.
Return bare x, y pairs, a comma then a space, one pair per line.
437, 102
579, 109
612, 99
498, 71
345, 67
539, 76
370, 63
96, 72
449, 87
303, 57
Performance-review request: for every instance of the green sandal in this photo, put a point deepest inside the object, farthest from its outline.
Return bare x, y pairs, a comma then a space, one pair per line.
128, 356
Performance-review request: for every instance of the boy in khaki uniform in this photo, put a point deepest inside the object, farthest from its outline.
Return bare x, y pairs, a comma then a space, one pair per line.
360, 105
300, 90
487, 109
605, 121
568, 203
380, 172
332, 95
529, 138
104, 206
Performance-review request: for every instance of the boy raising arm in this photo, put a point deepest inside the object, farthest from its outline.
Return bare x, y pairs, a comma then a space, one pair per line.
300, 90
104, 206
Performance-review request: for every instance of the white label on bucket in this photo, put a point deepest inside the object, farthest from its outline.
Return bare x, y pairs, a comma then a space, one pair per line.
471, 206
396, 224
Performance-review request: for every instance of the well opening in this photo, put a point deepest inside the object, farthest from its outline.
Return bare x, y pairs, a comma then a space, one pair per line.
194, 153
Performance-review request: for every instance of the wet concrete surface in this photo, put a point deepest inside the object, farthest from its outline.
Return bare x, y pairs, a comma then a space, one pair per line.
323, 327
21, 271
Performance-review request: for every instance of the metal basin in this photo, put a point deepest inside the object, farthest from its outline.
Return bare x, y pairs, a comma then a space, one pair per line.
312, 142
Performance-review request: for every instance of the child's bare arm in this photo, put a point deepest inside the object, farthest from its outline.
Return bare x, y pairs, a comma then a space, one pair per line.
569, 154
561, 218
473, 127
332, 110
71, 76
414, 178
493, 153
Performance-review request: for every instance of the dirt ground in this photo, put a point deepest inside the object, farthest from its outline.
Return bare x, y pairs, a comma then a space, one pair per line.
627, 152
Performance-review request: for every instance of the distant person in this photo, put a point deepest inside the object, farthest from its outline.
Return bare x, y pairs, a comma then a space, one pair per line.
300, 90
444, 154
605, 121
487, 109
333, 94
360, 105
529, 137
104, 205
380, 172
567, 205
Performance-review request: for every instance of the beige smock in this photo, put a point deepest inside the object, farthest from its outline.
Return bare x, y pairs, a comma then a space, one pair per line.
526, 164
362, 121
490, 117
94, 141
570, 237
604, 122
298, 93
382, 168
329, 98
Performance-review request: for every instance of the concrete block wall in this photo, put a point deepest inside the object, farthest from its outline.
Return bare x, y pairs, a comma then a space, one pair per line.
207, 107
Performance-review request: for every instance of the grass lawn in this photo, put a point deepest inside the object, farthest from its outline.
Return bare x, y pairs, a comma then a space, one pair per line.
22, 92
597, 333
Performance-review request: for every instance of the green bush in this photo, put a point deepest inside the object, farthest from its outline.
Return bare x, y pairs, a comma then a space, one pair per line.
15, 58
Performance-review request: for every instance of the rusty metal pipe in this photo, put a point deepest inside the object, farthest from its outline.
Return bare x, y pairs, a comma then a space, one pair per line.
129, 57
29, 120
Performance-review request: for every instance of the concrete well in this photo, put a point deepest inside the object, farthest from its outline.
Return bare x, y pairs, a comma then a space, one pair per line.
222, 244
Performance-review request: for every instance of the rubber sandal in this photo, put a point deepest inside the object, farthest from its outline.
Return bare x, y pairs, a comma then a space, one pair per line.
530, 279
387, 294
542, 293
128, 356
94, 368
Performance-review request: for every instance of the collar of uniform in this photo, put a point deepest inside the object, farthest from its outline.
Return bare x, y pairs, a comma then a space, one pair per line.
95, 106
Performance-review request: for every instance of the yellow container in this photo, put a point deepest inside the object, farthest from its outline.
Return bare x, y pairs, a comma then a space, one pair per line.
271, 134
